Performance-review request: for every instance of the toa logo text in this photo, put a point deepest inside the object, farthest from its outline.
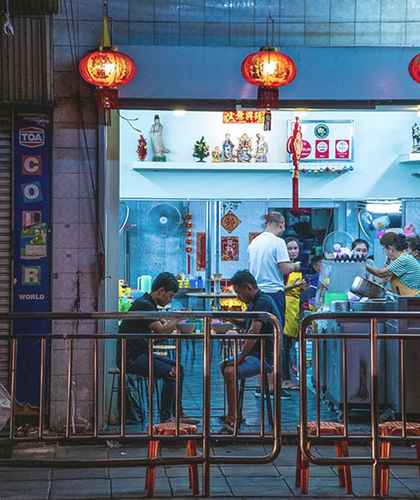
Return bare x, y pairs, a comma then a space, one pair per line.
32, 137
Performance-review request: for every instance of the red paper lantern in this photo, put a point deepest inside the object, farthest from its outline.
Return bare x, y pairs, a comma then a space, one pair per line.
107, 69
414, 68
269, 70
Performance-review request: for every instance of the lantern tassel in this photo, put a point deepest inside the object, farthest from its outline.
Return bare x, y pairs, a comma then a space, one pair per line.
295, 193
268, 97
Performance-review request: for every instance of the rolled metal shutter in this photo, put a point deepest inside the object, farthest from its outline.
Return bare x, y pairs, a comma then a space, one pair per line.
5, 235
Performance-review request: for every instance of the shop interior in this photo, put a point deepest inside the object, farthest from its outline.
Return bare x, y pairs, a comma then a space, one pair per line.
352, 192
358, 186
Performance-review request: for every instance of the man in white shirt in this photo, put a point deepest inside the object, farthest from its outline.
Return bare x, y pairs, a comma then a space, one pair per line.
269, 262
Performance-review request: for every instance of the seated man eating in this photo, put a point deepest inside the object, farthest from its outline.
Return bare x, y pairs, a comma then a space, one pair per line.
164, 288
248, 361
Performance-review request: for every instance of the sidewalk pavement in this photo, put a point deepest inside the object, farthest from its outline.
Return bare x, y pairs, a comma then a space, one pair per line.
274, 480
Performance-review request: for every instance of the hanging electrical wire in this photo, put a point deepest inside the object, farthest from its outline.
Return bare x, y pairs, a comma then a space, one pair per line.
72, 30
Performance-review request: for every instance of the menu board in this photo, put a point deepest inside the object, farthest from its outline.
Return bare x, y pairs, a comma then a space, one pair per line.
330, 140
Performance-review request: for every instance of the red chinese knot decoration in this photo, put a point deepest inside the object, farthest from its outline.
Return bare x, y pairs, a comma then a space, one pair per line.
294, 148
414, 68
268, 69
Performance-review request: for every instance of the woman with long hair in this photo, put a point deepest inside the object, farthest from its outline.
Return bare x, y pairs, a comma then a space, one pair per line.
294, 283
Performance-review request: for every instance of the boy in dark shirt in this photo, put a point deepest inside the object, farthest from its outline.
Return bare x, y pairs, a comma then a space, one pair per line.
164, 288
248, 361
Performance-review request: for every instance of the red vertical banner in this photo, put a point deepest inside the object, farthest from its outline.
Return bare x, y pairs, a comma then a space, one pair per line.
322, 148
200, 248
342, 149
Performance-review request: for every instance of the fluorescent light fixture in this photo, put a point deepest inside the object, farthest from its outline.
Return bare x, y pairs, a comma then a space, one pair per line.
384, 207
179, 112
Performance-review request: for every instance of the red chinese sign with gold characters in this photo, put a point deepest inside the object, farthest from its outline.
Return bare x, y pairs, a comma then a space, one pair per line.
243, 116
230, 248
230, 221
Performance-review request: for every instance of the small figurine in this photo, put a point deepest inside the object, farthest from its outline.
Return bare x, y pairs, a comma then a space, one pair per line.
201, 150
267, 120
156, 137
216, 155
228, 149
261, 149
415, 132
142, 148
244, 148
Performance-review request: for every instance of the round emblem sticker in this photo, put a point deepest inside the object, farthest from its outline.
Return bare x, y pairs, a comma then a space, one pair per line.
31, 165
31, 191
342, 146
322, 146
321, 131
306, 149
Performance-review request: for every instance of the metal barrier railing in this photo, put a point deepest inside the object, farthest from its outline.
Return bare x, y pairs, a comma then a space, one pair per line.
370, 321
206, 436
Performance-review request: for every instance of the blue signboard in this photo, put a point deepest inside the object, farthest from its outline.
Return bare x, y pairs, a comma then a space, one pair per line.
31, 245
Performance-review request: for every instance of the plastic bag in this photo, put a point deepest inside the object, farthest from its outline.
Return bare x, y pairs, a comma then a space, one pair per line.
4, 406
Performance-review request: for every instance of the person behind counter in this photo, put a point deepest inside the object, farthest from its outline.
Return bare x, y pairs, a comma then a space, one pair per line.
312, 279
269, 262
248, 360
414, 247
360, 248
164, 288
403, 269
293, 289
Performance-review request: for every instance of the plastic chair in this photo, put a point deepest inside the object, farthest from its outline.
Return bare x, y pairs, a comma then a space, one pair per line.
341, 445
169, 429
393, 429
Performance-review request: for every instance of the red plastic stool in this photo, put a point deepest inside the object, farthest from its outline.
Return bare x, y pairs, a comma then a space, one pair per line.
169, 429
393, 429
341, 445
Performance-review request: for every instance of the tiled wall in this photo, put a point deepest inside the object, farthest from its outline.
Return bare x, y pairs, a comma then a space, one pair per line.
243, 22
152, 252
74, 219
412, 213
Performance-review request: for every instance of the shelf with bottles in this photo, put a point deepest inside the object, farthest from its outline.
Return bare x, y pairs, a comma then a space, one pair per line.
189, 284
125, 298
